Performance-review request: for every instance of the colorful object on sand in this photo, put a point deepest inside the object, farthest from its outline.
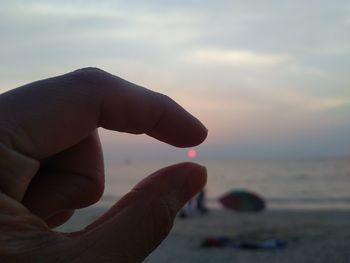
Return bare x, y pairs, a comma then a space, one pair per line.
237, 243
242, 201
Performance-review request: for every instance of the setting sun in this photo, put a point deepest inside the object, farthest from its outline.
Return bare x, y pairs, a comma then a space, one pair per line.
192, 153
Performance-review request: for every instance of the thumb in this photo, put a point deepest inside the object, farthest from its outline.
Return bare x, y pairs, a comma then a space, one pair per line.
139, 222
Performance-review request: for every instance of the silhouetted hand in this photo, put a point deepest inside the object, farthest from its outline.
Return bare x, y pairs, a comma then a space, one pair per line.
51, 163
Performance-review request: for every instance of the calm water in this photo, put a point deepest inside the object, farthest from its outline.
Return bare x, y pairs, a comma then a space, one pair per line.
315, 184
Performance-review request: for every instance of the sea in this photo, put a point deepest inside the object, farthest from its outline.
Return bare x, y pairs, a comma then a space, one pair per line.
283, 184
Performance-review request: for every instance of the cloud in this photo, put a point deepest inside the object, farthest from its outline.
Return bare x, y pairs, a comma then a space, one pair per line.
238, 57
247, 69
312, 103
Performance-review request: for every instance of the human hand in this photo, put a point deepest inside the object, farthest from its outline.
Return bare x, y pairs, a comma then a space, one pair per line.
51, 163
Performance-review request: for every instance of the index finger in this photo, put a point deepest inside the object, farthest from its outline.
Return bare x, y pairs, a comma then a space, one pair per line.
48, 116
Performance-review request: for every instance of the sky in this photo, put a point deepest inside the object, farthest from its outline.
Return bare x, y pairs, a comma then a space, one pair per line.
269, 79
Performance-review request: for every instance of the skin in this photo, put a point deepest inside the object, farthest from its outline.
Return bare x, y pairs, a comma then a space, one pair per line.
51, 163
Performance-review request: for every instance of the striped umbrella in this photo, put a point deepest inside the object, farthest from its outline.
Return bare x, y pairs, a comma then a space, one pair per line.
242, 201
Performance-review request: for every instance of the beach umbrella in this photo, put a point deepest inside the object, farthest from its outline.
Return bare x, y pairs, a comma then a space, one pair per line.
242, 201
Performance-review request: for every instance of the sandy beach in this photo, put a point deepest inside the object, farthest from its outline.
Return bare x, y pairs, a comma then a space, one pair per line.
311, 236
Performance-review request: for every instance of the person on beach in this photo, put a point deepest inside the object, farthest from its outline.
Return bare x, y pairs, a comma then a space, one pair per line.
51, 164
200, 205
